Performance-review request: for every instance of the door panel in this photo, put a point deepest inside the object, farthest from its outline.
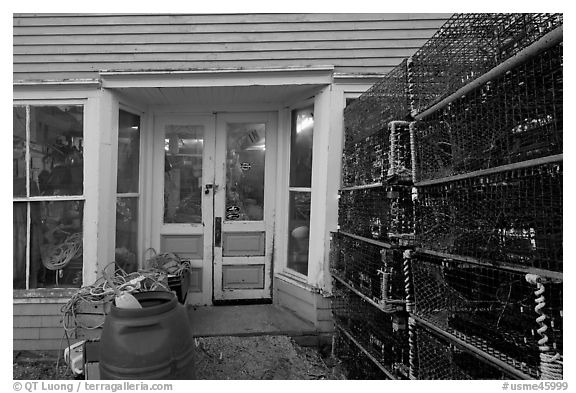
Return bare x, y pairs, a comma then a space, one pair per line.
183, 205
246, 154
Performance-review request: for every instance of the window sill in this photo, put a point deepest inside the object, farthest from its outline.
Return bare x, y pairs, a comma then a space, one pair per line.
297, 281
43, 295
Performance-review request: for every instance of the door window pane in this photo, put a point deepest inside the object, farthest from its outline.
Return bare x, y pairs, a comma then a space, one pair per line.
183, 146
127, 234
19, 151
128, 152
19, 245
245, 157
298, 231
301, 148
56, 244
56, 150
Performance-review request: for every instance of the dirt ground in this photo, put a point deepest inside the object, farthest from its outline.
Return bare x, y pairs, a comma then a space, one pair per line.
220, 358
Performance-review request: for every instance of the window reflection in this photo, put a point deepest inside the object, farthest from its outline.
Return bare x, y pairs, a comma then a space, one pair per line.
19, 221
56, 244
128, 152
298, 231
127, 234
245, 158
56, 150
184, 146
301, 148
19, 151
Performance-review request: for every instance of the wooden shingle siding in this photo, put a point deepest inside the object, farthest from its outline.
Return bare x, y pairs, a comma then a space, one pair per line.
39, 327
79, 46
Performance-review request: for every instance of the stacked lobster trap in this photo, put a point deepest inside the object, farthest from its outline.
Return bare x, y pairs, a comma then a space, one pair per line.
452, 192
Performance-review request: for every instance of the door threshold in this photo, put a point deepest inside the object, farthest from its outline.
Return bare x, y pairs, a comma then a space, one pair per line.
240, 302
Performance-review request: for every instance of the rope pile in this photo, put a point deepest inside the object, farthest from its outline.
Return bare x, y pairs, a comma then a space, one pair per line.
101, 293
57, 257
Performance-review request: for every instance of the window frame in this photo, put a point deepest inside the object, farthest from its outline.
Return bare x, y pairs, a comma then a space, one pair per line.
28, 199
140, 200
306, 104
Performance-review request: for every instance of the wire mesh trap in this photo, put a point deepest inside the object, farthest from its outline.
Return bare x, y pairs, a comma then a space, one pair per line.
512, 118
467, 46
489, 308
384, 336
366, 161
376, 212
513, 216
375, 271
357, 364
385, 101
435, 358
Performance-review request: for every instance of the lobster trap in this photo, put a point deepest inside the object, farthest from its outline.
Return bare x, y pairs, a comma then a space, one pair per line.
512, 118
467, 46
488, 308
366, 161
385, 101
375, 271
376, 213
384, 336
513, 216
358, 365
432, 357
384, 156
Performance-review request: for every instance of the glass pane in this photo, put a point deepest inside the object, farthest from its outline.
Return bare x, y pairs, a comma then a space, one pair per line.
19, 151
298, 231
246, 148
128, 152
127, 234
56, 150
301, 148
56, 244
19, 245
183, 173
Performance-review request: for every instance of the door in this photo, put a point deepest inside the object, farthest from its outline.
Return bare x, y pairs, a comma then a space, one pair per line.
244, 206
183, 201
214, 195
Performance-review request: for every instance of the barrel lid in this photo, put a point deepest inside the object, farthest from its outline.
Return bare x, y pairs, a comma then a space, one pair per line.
153, 303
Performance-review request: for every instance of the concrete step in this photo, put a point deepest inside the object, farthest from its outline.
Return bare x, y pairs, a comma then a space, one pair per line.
247, 320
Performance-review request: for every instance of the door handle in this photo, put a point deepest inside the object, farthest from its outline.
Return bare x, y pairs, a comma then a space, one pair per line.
209, 187
217, 231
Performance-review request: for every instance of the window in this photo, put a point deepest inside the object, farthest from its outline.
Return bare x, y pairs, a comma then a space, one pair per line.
127, 191
48, 201
300, 189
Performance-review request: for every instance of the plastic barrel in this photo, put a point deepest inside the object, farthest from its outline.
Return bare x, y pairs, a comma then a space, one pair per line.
154, 342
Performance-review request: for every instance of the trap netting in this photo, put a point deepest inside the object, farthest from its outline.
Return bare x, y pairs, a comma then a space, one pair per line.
376, 212
375, 271
384, 336
357, 364
514, 117
467, 46
385, 155
435, 358
513, 216
366, 160
488, 308
385, 101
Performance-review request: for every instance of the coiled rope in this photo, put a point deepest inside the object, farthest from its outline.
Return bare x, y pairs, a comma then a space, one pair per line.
551, 364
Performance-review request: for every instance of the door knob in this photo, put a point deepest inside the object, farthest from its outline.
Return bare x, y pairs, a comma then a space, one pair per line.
208, 187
